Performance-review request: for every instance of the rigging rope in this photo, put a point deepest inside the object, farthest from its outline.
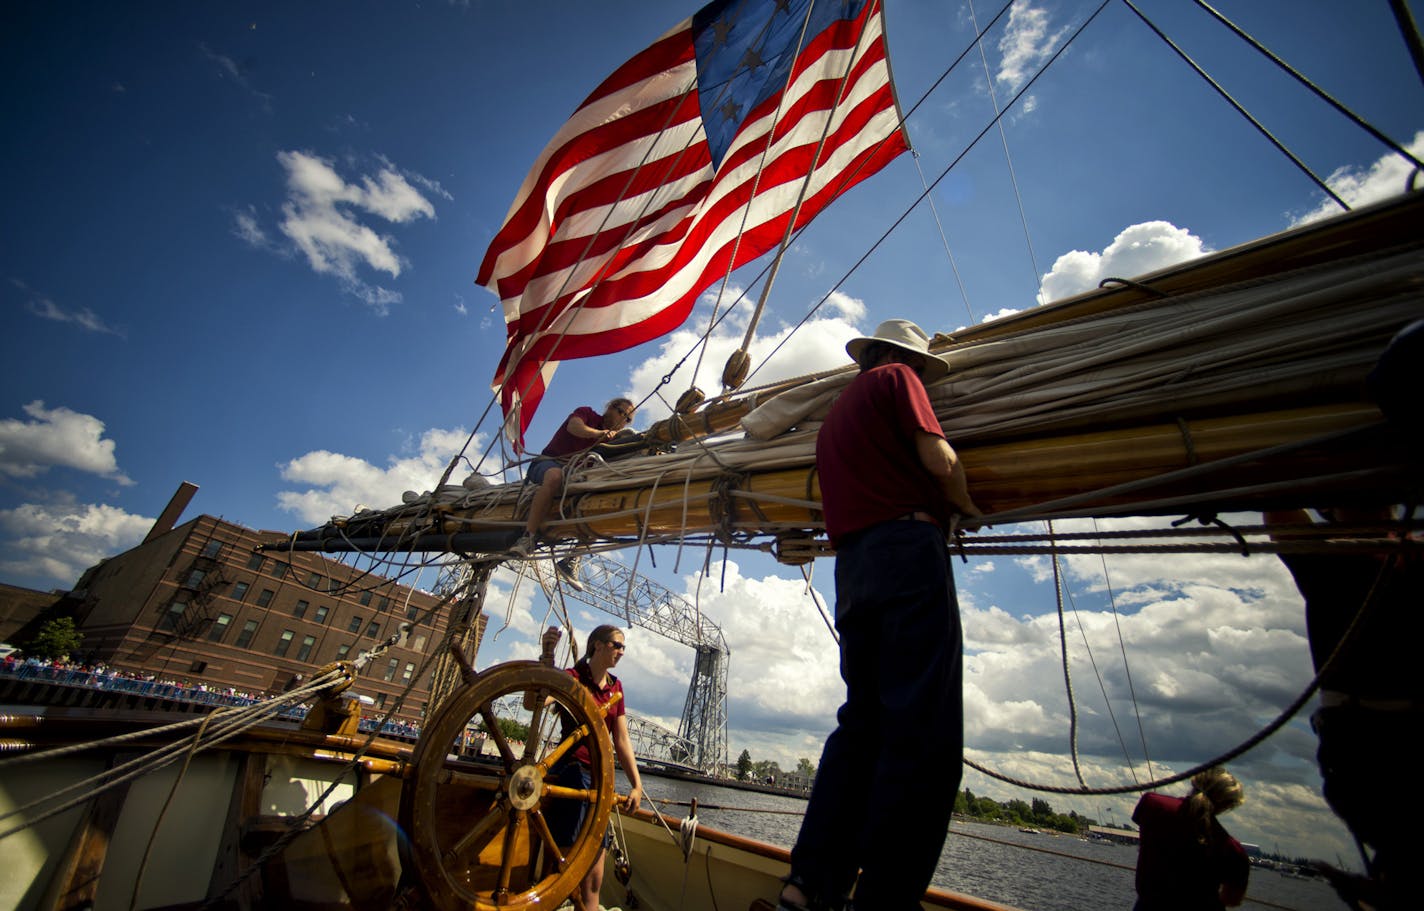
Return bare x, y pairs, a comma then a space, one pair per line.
944, 238
800, 195
756, 185
820, 608
1067, 674
958, 158
1280, 147
1317, 90
229, 724
1286, 714
1008, 159
1126, 666
163, 813
1102, 685
296, 824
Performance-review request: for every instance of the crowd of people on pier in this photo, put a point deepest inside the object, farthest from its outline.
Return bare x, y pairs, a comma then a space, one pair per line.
99, 676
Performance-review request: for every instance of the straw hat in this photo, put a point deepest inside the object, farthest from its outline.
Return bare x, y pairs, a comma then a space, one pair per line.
903, 334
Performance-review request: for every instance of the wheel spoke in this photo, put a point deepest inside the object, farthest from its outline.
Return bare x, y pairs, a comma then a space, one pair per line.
554, 790
536, 736
511, 841
492, 725
481, 835
568, 743
479, 780
541, 827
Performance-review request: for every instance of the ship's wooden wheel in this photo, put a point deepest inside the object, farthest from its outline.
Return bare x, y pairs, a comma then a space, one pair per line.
478, 825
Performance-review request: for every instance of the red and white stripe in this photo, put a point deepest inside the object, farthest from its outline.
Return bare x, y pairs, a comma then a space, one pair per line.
622, 222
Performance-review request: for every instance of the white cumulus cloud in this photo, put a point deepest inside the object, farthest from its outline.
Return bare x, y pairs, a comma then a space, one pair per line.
60, 541
1138, 249
326, 218
1388, 176
56, 437
334, 484
817, 345
1028, 40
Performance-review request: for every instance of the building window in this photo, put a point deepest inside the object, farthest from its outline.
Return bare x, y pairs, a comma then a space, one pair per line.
333, 586
314, 581
256, 561
354, 626
341, 652
320, 616
300, 610
219, 628
380, 700
265, 598
305, 651
391, 669
197, 667
411, 611
239, 591
284, 643
383, 603
244, 638
374, 629
279, 571
365, 598
212, 549
195, 578
408, 672
169, 620
419, 645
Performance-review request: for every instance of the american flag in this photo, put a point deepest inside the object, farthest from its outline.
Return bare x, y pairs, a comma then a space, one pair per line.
663, 179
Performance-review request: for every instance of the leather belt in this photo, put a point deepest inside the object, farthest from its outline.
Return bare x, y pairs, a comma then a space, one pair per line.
918, 515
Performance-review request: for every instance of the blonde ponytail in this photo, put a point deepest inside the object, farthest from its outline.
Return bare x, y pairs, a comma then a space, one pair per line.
1214, 791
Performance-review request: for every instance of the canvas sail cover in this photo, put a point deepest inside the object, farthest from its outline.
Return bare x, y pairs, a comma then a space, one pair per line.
685, 163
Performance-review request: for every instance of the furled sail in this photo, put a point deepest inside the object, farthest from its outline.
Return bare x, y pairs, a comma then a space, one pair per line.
1230, 382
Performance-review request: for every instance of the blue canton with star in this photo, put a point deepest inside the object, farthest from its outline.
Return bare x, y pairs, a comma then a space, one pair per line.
744, 52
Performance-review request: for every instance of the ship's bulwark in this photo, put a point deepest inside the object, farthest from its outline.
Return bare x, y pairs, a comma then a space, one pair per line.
1116, 402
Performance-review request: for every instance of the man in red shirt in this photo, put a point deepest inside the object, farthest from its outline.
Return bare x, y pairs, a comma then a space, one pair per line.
890, 487
584, 429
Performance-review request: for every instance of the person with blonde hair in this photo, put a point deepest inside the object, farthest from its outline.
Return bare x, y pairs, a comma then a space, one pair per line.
1186, 861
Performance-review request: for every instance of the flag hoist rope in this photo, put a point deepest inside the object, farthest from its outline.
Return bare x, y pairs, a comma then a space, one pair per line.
735, 372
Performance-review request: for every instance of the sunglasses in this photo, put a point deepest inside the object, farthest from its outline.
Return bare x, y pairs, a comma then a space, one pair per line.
618, 646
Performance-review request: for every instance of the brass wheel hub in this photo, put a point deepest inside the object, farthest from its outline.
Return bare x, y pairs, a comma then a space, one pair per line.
525, 787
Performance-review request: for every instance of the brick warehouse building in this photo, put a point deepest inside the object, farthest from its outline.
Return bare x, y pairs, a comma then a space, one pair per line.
198, 603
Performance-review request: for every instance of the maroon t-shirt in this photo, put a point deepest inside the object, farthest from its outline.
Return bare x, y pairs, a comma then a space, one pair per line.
865, 453
1173, 867
613, 693
565, 443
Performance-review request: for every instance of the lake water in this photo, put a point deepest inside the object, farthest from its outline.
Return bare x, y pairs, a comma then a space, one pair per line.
1021, 873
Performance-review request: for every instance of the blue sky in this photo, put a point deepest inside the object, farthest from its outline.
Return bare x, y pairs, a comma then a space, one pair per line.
240, 244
